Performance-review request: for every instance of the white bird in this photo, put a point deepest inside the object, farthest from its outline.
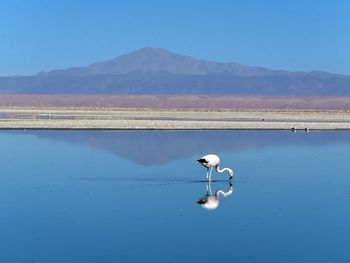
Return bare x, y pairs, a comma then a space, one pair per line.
210, 161
211, 202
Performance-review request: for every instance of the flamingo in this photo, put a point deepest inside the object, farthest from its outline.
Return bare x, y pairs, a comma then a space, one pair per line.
210, 161
210, 201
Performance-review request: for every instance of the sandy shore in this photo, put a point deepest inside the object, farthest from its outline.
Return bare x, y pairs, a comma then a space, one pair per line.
178, 101
136, 118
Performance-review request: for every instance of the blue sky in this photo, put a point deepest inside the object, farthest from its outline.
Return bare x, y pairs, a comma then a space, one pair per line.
294, 35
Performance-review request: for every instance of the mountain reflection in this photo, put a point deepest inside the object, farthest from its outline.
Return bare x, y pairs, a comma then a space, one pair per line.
210, 201
160, 147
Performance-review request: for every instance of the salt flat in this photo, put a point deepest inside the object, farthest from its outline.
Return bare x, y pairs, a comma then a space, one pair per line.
167, 119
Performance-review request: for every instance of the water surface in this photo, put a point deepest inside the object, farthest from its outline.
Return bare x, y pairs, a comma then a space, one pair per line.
88, 196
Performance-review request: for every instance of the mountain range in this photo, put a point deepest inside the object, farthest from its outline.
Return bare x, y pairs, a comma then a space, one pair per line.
163, 147
159, 71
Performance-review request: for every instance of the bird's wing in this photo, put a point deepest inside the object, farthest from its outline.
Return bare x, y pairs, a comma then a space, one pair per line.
203, 200
202, 161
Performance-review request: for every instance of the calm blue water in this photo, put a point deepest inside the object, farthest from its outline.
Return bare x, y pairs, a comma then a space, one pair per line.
87, 196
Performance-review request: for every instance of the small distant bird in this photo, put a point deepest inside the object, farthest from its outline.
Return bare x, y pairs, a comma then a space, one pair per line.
210, 161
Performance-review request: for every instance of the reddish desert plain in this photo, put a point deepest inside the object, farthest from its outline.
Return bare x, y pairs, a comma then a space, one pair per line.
173, 112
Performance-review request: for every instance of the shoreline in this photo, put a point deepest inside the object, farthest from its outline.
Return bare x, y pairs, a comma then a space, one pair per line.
105, 118
177, 101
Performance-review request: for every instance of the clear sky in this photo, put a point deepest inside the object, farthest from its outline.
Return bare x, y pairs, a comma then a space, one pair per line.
38, 35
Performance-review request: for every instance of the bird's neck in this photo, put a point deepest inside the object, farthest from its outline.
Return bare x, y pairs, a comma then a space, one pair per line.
218, 192
221, 170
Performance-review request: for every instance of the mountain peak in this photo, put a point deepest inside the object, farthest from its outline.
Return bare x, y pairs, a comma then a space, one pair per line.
152, 51
151, 59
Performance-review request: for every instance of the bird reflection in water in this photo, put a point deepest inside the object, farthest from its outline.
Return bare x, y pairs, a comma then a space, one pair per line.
210, 201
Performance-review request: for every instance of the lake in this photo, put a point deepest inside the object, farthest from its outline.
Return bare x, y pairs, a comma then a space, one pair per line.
131, 196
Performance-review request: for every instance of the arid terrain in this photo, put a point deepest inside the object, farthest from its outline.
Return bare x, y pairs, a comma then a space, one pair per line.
178, 102
173, 112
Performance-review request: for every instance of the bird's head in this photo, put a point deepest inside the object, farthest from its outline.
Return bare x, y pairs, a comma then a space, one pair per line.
230, 172
230, 189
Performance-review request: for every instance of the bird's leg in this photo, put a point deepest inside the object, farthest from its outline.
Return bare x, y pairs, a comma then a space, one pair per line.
211, 170
207, 174
209, 188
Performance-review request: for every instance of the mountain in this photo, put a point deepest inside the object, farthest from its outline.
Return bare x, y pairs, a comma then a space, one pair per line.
153, 60
163, 147
159, 71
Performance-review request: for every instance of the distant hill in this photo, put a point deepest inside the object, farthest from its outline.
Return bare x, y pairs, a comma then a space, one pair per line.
163, 147
159, 71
